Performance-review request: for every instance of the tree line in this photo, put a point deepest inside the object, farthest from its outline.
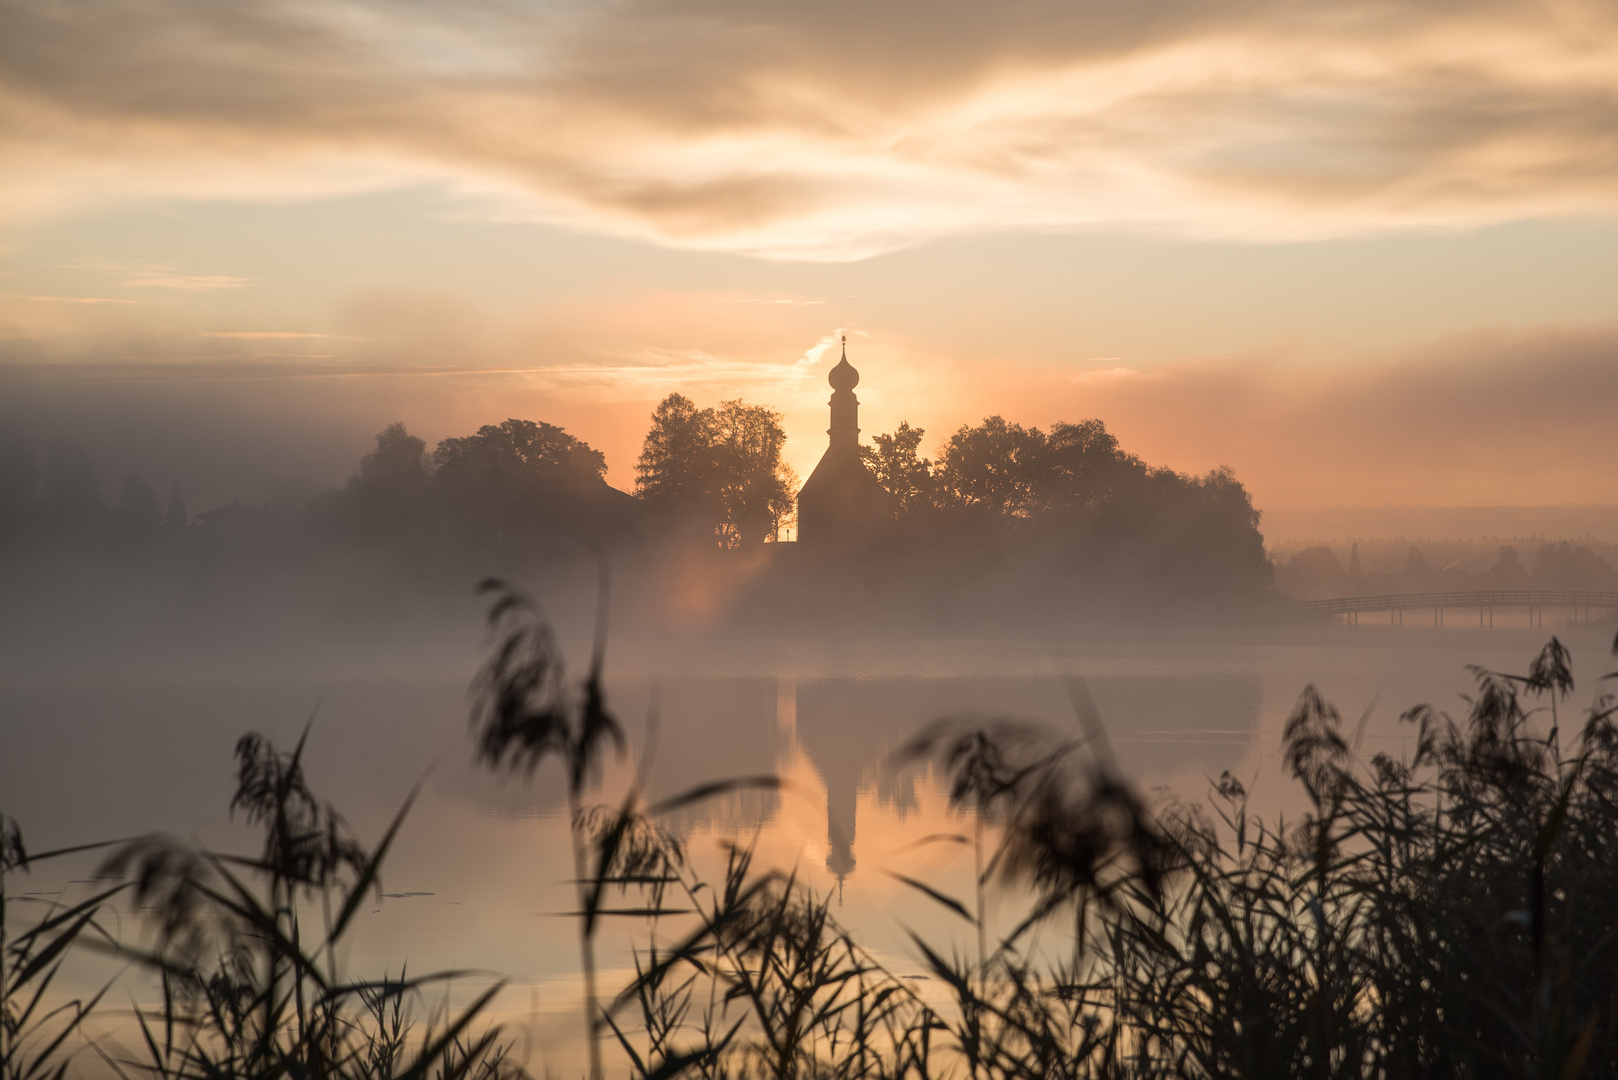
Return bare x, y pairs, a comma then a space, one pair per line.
60, 497
1064, 500
1318, 571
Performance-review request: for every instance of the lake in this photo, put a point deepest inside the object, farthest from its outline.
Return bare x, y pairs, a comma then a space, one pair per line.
117, 742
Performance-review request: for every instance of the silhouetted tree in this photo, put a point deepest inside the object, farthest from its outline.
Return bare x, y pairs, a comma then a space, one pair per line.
902, 472
676, 464
1184, 535
19, 484
515, 452
175, 515
388, 489
398, 465
721, 467
756, 488
1076, 497
1085, 468
1313, 572
1415, 563
288, 496
71, 493
138, 513
516, 478
994, 467
1563, 566
1354, 560
1507, 572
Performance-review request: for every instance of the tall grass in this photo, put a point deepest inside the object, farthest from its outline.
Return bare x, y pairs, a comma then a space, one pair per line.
247, 990
1452, 912
35, 1033
1449, 912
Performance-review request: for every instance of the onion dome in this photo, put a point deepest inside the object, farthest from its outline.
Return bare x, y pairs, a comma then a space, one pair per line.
843, 376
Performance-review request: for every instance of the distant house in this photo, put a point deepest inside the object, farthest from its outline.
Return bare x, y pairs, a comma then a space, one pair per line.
233, 515
842, 502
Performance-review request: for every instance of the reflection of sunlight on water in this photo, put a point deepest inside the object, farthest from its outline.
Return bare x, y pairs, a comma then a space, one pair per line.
824, 714
804, 836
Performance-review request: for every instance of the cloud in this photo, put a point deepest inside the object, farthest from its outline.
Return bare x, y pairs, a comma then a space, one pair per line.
1481, 419
65, 299
252, 335
833, 129
1485, 419
1114, 376
146, 275
190, 283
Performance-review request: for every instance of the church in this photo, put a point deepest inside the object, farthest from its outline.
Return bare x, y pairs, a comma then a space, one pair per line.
842, 504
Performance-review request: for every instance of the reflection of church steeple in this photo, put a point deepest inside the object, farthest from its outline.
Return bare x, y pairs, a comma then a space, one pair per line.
842, 793
841, 734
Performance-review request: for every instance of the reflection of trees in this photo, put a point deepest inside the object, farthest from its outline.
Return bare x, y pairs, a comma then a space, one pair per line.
710, 730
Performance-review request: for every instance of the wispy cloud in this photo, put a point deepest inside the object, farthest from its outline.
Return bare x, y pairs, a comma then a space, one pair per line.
1115, 376
146, 275
66, 299
256, 334
188, 282
1422, 426
831, 129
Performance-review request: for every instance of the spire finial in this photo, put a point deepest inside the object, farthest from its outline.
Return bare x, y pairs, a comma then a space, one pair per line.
845, 346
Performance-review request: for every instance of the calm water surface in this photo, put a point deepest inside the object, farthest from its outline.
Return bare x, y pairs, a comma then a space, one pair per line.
103, 748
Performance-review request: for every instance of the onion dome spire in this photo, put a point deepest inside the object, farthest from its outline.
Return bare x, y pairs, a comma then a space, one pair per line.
843, 376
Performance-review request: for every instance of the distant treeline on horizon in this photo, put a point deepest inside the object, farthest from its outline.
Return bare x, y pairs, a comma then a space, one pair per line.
1391, 567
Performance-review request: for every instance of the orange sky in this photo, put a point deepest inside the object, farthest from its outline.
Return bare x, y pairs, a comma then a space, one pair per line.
1361, 252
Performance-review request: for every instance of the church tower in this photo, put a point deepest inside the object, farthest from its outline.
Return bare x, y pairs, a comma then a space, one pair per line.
841, 503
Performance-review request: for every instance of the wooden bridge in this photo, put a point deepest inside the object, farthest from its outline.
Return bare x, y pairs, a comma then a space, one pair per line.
1535, 600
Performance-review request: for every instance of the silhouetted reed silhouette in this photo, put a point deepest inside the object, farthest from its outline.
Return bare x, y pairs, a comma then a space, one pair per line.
525, 711
34, 1034
246, 992
1447, 912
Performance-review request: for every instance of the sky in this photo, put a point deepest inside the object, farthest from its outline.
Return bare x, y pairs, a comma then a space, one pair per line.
1361, 252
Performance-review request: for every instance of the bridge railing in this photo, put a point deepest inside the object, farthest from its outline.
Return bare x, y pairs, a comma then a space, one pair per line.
1485, 598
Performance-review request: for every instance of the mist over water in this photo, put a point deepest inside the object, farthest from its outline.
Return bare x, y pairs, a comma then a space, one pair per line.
100, 744
138, 642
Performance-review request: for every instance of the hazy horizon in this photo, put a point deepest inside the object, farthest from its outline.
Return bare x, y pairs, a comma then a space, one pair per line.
1360, 255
